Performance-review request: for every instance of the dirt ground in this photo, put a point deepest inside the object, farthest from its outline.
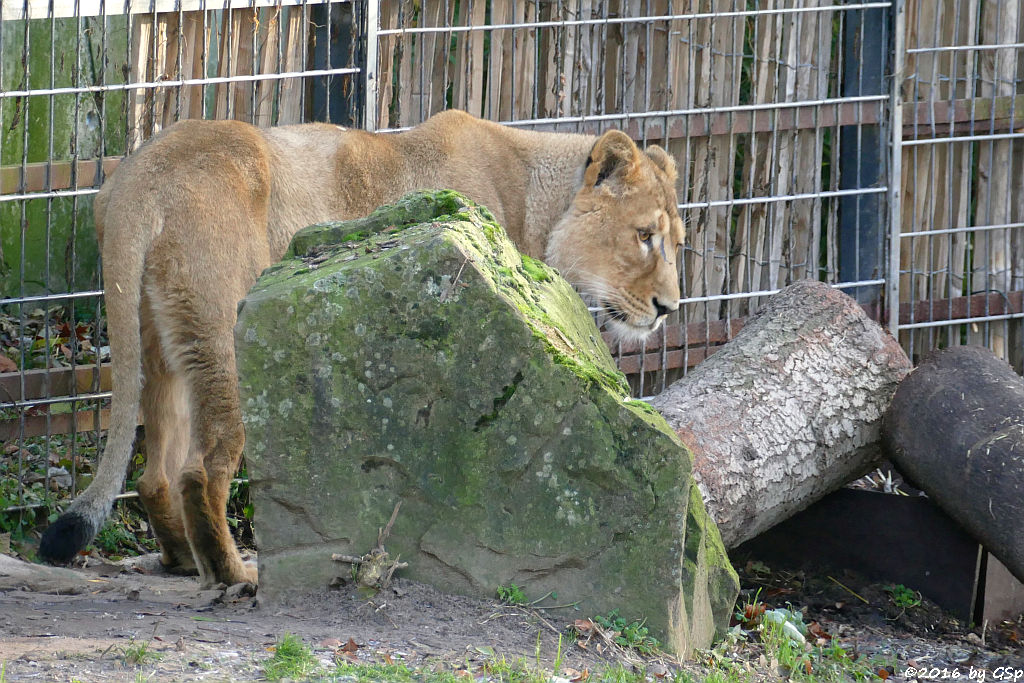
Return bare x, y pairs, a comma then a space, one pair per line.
85, 624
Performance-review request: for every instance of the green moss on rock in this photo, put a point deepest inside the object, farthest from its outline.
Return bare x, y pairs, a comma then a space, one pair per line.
430, 362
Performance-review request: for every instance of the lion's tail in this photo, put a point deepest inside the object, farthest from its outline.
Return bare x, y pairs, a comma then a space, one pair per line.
127, 237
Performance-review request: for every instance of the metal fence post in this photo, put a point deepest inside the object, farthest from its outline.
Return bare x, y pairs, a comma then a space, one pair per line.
370, 83
862, 155
898, 61
334, 98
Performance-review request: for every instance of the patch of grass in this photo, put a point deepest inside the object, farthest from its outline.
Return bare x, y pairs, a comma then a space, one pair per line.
512, 595
292, 659
498, 669
730, 675
396, 673
139, 654
631, 634
903, 597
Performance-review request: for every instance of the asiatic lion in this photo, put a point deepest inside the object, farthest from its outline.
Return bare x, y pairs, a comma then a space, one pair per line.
188, 222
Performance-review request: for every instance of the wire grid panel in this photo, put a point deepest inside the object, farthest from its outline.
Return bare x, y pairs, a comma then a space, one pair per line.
757, 101
83, 83
960, 265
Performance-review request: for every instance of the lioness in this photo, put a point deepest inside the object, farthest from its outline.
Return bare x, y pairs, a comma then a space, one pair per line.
189, 221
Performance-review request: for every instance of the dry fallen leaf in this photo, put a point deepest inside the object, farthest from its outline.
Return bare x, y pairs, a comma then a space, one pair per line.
581, 676
350, 646
658, 670
332, 643
584, 626
817, 631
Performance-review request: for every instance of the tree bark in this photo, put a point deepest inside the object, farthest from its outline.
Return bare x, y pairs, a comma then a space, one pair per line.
788, 411
956, 429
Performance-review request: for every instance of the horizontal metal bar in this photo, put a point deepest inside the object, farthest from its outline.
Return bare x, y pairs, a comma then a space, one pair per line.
770, 292
52, 194
962, 321
750, 295
121, 496
36, 402
174, 83
963, 138
969, 228
965, 48
743, 201
64, 9
36, 506
634, 20
51, 297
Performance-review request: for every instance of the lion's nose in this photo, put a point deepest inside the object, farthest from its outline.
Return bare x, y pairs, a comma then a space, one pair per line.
663, 310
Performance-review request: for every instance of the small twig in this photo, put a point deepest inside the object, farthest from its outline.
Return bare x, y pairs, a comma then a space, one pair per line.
568, 604
543, 597
848, 590
381, 535
549, 625
450, 289
351, 559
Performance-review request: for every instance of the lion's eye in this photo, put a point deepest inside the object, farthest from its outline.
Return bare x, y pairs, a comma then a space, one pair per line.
645, 235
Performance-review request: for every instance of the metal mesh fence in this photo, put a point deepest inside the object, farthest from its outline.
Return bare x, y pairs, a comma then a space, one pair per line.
82, 83
957, 257
775, 111
800, 154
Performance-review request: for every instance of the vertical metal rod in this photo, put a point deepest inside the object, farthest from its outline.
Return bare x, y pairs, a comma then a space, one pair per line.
370, 83
892, 294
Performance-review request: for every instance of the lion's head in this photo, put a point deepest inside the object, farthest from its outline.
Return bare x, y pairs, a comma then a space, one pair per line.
618, 242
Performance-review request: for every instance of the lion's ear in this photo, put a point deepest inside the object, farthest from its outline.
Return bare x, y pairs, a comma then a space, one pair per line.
664, 161
613, 156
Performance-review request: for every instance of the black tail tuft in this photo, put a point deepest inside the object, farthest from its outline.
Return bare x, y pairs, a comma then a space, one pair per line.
64, 538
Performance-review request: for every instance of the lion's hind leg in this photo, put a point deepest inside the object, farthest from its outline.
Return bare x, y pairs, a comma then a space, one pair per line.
166, 418
217, 440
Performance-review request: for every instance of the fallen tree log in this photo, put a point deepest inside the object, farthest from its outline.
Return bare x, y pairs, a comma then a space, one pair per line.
788, 411
956, 430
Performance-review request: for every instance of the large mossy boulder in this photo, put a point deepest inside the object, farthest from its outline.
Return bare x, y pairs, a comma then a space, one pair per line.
415, 356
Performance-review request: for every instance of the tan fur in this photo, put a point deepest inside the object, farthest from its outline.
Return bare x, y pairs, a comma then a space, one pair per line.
189, 221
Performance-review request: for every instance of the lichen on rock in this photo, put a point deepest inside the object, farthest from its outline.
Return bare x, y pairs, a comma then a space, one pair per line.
415, 355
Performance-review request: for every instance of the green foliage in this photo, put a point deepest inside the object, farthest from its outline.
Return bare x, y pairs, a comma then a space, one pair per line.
512, 595
292, 659
240, 510
903, 597
27, 505
396, 673
805, 661
631, 634
138, 654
